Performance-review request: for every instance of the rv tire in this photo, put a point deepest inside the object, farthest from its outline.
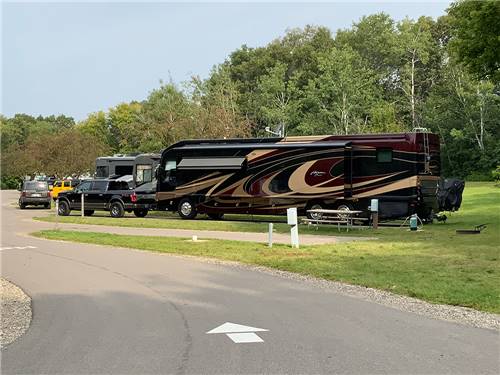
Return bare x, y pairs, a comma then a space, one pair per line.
315, 206
186, 209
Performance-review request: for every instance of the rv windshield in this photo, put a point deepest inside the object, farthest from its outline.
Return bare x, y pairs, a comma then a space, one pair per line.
102, 171
170, 164
144, 173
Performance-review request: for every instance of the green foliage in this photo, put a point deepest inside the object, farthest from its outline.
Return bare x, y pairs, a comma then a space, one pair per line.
475, 36
9, 182
495, 174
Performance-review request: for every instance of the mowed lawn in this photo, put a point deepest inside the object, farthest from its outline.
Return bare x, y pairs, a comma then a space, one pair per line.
436, 264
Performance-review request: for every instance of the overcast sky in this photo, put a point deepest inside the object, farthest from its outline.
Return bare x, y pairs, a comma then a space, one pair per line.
77, 58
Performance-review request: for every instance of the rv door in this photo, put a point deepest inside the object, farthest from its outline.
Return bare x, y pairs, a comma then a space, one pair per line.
348, 171
170, 175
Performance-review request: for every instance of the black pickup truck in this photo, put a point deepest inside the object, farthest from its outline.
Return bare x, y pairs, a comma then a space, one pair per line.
105, 195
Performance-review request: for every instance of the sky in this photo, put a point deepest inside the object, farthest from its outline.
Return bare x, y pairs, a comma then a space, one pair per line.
77, 58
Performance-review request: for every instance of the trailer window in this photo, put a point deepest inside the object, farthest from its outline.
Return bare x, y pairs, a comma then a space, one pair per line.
102, 171
384, 155
124, 170
212, 163
144, 173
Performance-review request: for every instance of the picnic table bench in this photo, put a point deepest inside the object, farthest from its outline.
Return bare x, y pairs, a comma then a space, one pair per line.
325, 216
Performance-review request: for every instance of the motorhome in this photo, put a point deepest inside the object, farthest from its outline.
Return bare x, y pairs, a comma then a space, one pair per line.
269, 175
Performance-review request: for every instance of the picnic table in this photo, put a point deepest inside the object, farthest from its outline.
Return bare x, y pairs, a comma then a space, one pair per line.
325, 216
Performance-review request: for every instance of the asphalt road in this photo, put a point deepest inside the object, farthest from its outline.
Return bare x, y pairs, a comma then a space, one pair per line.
107, 310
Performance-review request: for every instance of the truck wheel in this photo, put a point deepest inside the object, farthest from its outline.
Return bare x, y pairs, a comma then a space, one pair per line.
116, 209
186, 209
140, 212
64, 209
215, 216
88, 212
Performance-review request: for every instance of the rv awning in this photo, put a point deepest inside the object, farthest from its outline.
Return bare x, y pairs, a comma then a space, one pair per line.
211, 163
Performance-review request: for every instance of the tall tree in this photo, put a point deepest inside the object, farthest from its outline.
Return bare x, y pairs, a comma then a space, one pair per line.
415, 44
338, 100
476, 41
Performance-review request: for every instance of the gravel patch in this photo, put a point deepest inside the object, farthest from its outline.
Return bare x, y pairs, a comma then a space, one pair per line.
15, 312
456, 314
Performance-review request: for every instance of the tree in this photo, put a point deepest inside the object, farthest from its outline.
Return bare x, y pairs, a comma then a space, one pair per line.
125, 127
96, 125
475, 36
338, 100
65, 153
465, 112
215, 107
274, 92
415, 44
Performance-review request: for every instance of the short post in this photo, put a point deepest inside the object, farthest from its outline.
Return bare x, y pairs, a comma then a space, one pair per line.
57, 213
374, 210
270, 235
83, 204
291, 214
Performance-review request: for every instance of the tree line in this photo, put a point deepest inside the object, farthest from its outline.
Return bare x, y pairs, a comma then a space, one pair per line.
377, 76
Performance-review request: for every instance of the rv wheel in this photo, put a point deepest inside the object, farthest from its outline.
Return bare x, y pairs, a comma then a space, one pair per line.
186, 209
344, 206
315, 206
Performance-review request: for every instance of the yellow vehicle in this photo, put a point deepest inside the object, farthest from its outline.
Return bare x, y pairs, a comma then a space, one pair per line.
63, 185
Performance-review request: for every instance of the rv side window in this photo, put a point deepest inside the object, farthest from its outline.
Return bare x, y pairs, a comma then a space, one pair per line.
144, 173
384, 155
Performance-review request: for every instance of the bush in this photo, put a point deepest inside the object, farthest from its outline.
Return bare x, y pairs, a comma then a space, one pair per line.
478, 176
495, 173
9, 182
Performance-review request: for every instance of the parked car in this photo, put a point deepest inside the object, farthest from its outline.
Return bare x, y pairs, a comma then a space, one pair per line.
63, 185
104, 195
34, 193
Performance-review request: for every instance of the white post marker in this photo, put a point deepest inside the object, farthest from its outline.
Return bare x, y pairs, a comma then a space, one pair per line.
83, 204
238, 333
270, 235
291, 214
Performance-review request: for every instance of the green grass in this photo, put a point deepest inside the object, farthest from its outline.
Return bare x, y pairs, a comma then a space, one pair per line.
435, 265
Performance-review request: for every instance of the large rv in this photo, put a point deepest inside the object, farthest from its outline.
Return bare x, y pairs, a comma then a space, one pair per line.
269, 175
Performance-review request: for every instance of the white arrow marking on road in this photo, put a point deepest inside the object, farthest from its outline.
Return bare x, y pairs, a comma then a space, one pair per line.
240, 334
